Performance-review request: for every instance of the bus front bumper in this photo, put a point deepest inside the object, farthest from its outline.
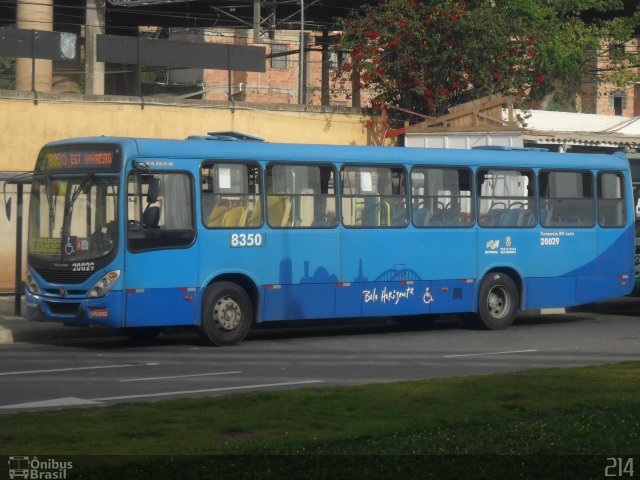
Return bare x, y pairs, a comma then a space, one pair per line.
105, 311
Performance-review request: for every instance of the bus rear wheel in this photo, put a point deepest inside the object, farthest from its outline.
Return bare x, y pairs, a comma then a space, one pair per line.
226, 314
498, 302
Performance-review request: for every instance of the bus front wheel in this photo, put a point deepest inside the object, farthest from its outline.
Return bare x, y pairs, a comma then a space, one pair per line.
226, 314
498, 302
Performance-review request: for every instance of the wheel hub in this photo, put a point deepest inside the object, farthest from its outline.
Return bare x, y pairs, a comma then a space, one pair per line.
227, 313
498, 302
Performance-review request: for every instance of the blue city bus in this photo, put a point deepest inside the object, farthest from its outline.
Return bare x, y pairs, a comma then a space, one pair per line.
219, 232
634, 162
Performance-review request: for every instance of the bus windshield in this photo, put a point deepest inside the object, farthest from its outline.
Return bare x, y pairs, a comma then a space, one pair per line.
73, 217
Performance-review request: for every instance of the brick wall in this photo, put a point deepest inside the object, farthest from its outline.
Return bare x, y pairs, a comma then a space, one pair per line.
608, 95
279, 83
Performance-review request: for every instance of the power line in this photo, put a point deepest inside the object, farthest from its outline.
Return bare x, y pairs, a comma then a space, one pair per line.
200, 16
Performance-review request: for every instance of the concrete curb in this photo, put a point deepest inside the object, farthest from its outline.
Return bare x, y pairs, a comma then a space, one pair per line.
6, 336
15, 329
552, 311
42, 333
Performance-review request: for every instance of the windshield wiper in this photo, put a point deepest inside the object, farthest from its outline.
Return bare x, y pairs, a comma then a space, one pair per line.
77, 193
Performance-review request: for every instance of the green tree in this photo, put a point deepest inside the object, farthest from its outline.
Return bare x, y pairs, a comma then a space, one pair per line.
426, 56
7, 73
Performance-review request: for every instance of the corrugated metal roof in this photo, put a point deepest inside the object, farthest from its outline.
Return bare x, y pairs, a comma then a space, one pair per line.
565, 128
581, 138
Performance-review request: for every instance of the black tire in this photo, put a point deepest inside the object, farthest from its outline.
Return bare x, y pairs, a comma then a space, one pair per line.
227, 314
498, 302
142, 334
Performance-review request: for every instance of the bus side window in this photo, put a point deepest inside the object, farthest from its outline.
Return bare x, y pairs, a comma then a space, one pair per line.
566, 199
506, 198
159, 211
611, 205
151, 213
301, 196
441, 197
230, 195
374, 196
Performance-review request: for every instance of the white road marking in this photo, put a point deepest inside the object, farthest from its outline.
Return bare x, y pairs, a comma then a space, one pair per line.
208, 390
54, 402
176, 376
489, 353
75, 369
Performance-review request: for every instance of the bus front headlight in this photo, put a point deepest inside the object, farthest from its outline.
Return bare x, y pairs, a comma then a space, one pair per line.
32, 286
104, 285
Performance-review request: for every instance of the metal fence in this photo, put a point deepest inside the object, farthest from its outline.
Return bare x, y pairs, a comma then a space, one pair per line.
205, 67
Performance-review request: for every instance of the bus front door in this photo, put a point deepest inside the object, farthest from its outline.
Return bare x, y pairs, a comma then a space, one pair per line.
161, 256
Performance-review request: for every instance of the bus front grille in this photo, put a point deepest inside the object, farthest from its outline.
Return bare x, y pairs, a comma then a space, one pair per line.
62, 276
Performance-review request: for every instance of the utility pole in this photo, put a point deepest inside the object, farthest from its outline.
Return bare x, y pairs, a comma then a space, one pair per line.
301, 99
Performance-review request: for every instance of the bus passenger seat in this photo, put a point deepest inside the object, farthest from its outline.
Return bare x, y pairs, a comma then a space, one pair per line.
494, 217
254, 219
421, 217
511, 218
235, 217
526, 219
278, 210
545, 217
436, 221
454, 221
399, 217
216, 216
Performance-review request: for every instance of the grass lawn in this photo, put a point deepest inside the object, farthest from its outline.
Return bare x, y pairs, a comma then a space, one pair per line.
499, 422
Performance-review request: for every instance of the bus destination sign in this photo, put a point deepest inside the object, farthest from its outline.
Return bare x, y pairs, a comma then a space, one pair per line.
92, 158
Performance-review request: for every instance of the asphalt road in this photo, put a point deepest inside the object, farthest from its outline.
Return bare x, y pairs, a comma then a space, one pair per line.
107, 370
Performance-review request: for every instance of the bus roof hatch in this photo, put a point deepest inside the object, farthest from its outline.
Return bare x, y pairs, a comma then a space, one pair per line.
229, 136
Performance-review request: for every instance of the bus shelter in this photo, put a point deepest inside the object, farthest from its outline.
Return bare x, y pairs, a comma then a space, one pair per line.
19, 179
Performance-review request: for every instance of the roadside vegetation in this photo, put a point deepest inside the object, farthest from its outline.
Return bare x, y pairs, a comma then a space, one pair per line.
498, 424
429, 56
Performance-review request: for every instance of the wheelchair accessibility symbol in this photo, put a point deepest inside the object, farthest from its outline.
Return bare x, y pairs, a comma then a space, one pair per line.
427, 298
69, 247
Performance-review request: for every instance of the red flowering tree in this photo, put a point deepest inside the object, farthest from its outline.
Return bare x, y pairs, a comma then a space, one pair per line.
426, 56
